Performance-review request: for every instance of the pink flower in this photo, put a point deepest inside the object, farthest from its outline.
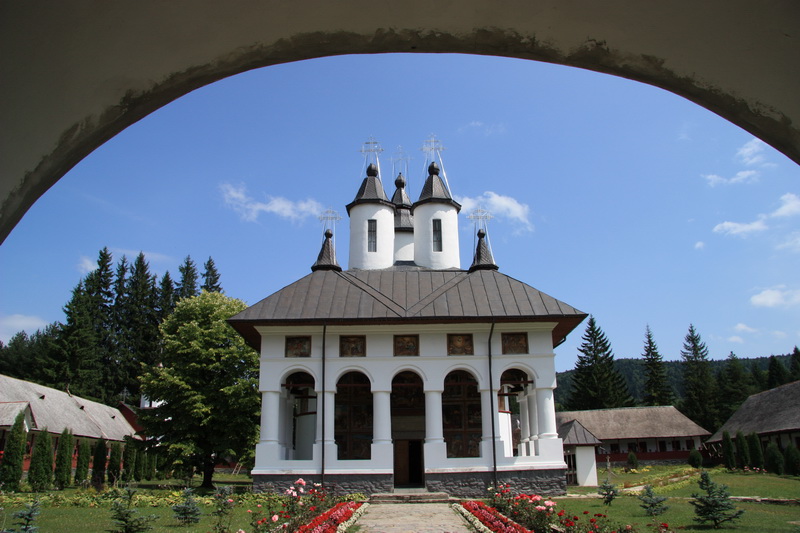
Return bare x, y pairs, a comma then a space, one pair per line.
541, 508
274, 518
549, 503
230, 501
300, 482
259, 505
536, 498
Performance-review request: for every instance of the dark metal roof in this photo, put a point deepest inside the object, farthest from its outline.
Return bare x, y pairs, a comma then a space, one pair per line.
434, 190
406, 294
326, 260
772, 411
483, 256
371, 190
574, 434
403, 219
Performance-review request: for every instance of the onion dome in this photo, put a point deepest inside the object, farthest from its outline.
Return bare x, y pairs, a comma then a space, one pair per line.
371, 190
403, 219
435, 190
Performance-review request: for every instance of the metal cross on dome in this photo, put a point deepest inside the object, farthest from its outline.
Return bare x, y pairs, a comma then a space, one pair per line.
480, 218
371, 150
400, 161
433, 149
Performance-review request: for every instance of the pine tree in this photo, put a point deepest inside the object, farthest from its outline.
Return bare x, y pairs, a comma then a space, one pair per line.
187, 286
126, 516
13, 455
82, 465
166, 297
113, 470
742, 450
652, 504
773, 459
608, 491
139, 465
728, 455
735, 385
759, 376
63, 472
596, 384
777, 374
188, 511
699, 386
715, 505
99, 464
40, 472
128, 460
756, 451
794, 365
657, 390
211, 277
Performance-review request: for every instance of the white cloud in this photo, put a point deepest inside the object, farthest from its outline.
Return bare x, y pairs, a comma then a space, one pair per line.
779, 334
86, 265
486, 129
736, 338
792, 243
699, 245
740, 228
12, 324
778, 296
743, 176
249, 209
790, 206
751, 153
744, 328
499, 206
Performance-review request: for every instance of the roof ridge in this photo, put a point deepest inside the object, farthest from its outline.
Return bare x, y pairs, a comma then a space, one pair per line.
422, 303
388, 302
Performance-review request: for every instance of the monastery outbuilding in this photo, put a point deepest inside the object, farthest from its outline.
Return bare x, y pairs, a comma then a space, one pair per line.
402, 371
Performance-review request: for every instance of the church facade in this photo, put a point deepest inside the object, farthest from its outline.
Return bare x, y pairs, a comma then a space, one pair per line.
404, 369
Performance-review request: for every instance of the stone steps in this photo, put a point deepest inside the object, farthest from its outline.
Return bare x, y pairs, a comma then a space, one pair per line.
406, 496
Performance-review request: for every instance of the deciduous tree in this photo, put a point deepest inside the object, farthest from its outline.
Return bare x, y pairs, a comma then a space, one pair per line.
207, 384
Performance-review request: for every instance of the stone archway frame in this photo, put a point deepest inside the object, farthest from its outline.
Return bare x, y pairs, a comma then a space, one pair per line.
77, 73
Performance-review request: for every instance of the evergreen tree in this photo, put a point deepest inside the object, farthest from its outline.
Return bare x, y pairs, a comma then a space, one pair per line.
211, 277
126, 516
735, 385
113, 471
187, 286
187, 512
792, 460
756, 451
208, 384
82, 465
63, 472
166, 297
728, 455
40, 472
794, 365
13, 455
139, 464
607, 491
657, 390
596, 384
699, 386
715, 505
759, 376
128, 460
777, 374
695, 458
99, 464
773, 459
652, 504
742, 450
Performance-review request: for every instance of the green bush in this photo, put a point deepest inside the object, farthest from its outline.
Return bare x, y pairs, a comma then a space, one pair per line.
773, 459
82, 466
99, 464
728, 455
756, 451
113, 470
695, 459
791, 457
633, 461
742, 450
128, 460
63, 473
40, 472
14, 455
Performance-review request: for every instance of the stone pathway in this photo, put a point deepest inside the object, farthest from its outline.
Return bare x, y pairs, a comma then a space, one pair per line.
411, 518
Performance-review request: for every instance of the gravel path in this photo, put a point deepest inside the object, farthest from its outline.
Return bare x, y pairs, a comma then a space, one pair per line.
411, 518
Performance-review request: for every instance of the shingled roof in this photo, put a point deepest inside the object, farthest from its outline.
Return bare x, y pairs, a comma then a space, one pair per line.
772, 411
406, 294
56, 410
634, 423
574, 434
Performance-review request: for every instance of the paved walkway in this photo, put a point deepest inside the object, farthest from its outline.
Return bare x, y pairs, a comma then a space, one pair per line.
411, 518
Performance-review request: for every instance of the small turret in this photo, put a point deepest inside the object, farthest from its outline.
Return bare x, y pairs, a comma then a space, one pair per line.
436, 224
326, 260
483, 259
403, 222
371, 225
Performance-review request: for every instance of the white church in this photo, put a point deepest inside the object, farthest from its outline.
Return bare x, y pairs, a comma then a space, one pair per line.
403, 370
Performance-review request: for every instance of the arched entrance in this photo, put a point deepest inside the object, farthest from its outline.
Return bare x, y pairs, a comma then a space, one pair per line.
353, 417
461, 414
512, 384
300, 419
408, 429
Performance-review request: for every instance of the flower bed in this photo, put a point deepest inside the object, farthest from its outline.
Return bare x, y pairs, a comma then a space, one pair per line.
492, 519
330, 520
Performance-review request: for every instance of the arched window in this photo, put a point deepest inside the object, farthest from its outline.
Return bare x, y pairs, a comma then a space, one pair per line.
461, 414
302, 405
353, 425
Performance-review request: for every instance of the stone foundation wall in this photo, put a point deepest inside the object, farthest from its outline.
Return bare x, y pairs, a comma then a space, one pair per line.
474, 484
338, 484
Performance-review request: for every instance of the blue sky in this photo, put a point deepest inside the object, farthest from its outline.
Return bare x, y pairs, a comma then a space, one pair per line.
621, 199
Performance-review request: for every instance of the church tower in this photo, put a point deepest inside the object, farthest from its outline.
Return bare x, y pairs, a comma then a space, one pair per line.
403, 223
436, 224
371, 225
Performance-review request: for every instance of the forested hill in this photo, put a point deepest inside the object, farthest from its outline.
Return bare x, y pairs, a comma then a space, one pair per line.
633, 372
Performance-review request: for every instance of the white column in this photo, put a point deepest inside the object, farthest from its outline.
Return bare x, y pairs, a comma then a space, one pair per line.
488, 416
546, 414
524, 425
330, 419
533, 422
270, 416
381, 417
434, 431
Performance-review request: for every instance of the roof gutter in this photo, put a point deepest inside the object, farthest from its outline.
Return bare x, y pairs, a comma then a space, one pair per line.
492, 409
322, 408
